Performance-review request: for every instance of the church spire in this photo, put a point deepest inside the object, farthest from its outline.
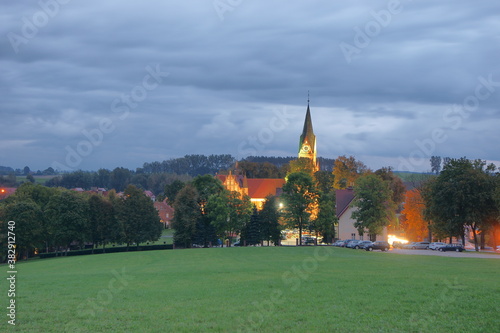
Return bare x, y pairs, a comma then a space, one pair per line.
307, 143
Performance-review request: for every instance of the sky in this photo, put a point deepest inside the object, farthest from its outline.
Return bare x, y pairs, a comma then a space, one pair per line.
102, 84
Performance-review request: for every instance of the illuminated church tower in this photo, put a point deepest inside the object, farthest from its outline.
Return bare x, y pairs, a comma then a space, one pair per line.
307, 144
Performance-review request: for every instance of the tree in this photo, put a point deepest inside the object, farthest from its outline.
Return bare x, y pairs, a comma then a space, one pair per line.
30, 178
28, 228
186, 216
103, 225
463, 195
251, 232
119, 178
171, 190
395, 184
139, 217
346, 170
415, 226
269, 218
302, 164
229, 213
67, 213
300, 197
206, 186
26, 170
325, 222
435, 164
324, 181
373, 203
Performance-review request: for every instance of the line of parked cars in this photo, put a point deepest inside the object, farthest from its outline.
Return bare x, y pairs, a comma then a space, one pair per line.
435, 246
361, 244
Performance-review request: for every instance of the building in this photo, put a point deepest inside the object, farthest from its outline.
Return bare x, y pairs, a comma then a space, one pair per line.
256, 188
307, 143
165, 212
345, 227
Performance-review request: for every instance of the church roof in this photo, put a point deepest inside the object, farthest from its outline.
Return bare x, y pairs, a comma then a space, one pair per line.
258, 188
262, 187
307, 132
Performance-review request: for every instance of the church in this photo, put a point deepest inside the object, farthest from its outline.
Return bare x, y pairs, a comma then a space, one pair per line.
259, 188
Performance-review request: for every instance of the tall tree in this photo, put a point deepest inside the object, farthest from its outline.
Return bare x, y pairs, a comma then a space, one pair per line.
139, 217
414, 225
463, 195
346, 170
186, 216
435, 164
269, 218
103, 225
303, 164
300, 200
229, 213
171, 190
28, 228
325, 222
395, 184
373, 203
67, 213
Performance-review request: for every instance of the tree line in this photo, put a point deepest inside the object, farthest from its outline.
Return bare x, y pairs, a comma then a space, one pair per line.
56, 219
463, 198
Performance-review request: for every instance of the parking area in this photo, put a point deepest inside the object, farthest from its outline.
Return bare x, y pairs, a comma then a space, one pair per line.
465, 254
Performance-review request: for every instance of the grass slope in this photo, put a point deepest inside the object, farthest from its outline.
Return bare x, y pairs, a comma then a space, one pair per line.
274, 289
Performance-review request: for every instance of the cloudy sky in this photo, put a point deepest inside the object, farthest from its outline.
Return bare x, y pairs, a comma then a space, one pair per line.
92, 84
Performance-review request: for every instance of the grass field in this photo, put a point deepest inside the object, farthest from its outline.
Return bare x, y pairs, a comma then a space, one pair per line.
269, 289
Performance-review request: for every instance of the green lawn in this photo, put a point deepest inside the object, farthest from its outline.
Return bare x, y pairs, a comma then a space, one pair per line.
270, 289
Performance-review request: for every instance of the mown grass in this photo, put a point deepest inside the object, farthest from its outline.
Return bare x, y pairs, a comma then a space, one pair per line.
269, 289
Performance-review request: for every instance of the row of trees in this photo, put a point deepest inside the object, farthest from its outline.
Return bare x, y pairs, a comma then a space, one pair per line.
206, 212
55, 218
465, 196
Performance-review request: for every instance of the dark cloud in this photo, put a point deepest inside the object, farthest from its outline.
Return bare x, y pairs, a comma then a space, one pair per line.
416, 72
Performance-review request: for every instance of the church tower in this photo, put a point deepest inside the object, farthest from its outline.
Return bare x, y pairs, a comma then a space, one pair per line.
307, 143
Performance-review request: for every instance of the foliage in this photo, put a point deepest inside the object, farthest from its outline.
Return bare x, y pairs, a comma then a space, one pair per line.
346, 170
186, 216
269, 218
324, 181
229, 213
103, 224
138, 217
67, 214
171, 190
193, 165
373, 203
462, 195
303, 164
325, 222
300, 199
435, 164
251, 233
261, 170
395, 184
414, 225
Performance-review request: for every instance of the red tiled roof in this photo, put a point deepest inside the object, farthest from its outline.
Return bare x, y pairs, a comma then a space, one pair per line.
343, 200
261, 187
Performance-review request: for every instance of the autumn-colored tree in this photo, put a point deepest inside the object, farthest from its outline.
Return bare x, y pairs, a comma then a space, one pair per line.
346, 170
415, 226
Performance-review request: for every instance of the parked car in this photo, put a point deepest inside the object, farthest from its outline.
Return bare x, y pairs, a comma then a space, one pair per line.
362, 244
352, 243
452, 247
436, 245
308, 240
338, 243
420, 246
378, 245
